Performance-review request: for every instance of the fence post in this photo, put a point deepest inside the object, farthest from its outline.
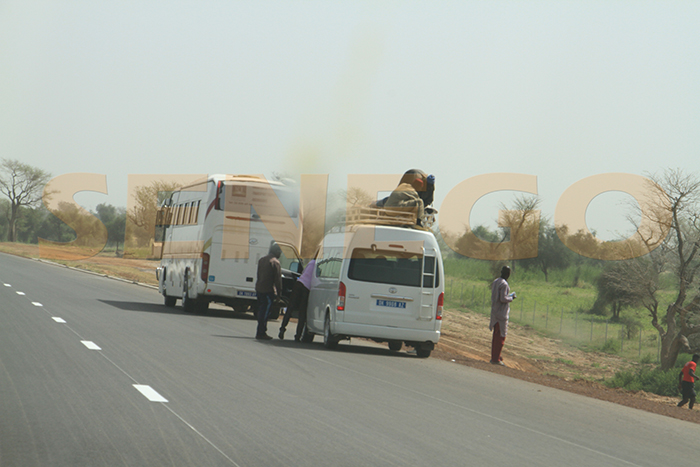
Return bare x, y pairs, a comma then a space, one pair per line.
575, 322
473, 289
591, 329
622, 337
606, 330
461, 296
640, 343
522, 304
546, 320
534, 311
561, 322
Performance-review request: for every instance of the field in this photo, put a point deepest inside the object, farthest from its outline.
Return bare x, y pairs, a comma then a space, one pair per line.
549, 342
558, 309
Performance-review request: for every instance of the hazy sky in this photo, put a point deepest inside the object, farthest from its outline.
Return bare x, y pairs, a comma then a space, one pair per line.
561, 90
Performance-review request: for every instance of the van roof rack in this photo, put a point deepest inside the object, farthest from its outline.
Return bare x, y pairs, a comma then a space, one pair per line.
380, 216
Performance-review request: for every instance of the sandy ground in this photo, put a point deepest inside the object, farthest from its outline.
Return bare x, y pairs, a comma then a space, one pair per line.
465, 340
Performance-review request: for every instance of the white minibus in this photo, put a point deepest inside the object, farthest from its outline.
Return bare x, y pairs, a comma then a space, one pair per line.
379, 282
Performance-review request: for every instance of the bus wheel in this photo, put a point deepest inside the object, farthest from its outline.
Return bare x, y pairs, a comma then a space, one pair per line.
423, 353
187, 303
169, 301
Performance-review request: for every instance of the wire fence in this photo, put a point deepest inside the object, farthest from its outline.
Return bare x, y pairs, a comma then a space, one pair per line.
581, 329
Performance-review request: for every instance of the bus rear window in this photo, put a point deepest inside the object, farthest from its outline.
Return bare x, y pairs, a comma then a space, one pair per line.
386, 267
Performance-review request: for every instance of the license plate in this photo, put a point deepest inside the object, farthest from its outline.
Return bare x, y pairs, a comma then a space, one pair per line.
391, 303
245, 293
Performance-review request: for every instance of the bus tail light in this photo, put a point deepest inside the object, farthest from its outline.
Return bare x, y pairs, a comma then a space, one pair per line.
219, 192
440, 304
205, 266
340, 306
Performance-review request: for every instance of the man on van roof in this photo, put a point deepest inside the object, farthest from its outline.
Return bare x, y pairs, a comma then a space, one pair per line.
415, 190
267, 287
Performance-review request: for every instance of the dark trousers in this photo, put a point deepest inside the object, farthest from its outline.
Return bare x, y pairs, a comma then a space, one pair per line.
297, 302
497, 343
265, 301
688, 391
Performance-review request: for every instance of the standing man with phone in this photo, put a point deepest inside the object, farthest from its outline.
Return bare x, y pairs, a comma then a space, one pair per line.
500, 311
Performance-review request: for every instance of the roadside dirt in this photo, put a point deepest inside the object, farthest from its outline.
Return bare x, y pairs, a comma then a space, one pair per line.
465, 340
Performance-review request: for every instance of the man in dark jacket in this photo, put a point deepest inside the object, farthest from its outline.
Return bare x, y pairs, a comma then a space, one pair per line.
267, 287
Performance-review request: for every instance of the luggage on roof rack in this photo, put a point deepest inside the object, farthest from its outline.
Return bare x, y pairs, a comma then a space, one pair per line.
382, 216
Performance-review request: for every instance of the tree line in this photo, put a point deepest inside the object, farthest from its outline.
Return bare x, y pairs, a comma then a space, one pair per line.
25, 218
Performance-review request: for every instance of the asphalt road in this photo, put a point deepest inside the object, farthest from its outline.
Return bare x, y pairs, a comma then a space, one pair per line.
98, 372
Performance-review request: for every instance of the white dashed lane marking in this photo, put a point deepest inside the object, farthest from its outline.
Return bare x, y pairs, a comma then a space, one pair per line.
91, 345
150, 393
144, 389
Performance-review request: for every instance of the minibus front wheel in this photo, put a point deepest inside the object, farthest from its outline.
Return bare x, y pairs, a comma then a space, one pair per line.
395, 346
329, 340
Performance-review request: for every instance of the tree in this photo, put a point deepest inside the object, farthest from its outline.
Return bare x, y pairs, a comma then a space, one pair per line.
142, 216
4, 208
480, 242
520, 225
115, 220
53, 229
677, 196
552, 254
22, 184
624, 284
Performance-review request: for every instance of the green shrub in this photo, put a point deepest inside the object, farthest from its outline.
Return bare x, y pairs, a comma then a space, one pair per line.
647, 358
663, 383
610, 346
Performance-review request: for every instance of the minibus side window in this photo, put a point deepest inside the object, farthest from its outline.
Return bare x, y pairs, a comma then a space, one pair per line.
329, 266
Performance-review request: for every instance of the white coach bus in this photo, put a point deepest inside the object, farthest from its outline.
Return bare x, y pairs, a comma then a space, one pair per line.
213, 233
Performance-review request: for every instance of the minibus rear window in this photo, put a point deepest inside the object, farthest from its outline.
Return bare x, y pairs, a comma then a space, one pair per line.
386, 267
